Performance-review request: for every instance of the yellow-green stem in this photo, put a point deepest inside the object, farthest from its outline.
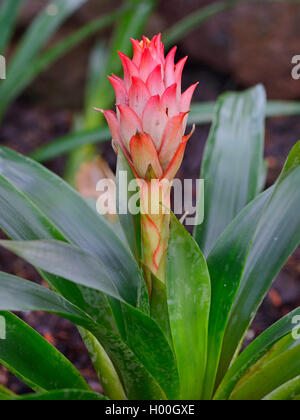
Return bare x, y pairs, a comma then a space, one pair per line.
106, 372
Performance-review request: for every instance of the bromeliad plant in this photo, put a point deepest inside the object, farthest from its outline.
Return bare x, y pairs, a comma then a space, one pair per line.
180, 337
149, 129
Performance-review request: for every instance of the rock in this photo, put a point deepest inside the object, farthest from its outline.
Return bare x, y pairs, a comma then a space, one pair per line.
265, 38
254, 43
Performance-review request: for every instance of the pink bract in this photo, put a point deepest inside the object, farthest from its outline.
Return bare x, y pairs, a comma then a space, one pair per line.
151, 112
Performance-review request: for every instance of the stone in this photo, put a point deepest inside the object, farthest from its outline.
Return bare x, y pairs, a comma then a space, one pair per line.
253, 43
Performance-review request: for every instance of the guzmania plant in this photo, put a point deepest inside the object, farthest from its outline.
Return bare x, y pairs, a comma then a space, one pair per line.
163, 314
149, 128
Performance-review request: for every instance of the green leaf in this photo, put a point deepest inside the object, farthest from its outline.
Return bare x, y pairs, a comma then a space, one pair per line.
261, 382
69, 262
277, 236
150, 345
97, 64
292, 163
8, 17
5, 391
72, 216
81, 155
39, 32
46, 59
70, 142
263, 177
143, 335
60, 395
57, 258
283, 108
285, 392
64, 46
21, 295
33, 359
255, 351
113, 347
226, 264
106, 372
188, 294
21, 220
85, 228
203, 113
159, 307
42, 28
284, 344
232, 161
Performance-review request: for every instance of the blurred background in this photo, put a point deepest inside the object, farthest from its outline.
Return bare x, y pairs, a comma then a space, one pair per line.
231, 45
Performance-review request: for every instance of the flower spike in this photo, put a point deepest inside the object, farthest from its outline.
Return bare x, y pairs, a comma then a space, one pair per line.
149, 126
